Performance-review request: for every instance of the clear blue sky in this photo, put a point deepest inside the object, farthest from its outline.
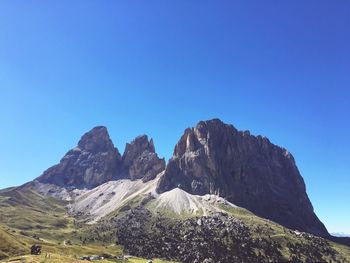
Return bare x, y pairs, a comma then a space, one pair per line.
278, 68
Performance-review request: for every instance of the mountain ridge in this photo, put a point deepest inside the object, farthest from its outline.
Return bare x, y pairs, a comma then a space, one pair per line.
207, 196
95, 160
200, 147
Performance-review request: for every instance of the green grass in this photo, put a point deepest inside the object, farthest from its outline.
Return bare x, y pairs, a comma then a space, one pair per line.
28, 210
15, 244
16, 248
33, 215
280, 234
343, 250
11, 245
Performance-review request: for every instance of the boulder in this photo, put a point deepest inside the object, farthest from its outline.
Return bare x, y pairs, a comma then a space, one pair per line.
35, 250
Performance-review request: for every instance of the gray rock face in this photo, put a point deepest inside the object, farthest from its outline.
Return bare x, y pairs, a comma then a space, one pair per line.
140, 160
248, 171
93, 162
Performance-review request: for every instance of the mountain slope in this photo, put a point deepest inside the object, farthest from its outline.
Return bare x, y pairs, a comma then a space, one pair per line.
248, 171
231, 235
27, 210
180, 203
180, 226
148, 228
97, 203
10, 245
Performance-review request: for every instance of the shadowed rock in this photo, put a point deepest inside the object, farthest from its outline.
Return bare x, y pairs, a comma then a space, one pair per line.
94, 161
248, 171
140, 160
35, 250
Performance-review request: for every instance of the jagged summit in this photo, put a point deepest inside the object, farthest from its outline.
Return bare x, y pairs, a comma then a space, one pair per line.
137, 146
247, 170
96, 140
95, 161
140, 160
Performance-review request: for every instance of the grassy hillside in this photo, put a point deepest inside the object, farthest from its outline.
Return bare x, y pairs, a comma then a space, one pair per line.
28, 218
34, 219
11, 245
16, 248
148, 233
288, 239
27, 210
36, 216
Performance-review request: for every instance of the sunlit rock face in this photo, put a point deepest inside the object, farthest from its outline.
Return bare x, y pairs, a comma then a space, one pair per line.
94, 161
249, 171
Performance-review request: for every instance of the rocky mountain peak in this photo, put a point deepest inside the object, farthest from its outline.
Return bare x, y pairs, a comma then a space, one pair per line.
140, 160
94, 161
96, 140
139, 145
249, 171
198, 138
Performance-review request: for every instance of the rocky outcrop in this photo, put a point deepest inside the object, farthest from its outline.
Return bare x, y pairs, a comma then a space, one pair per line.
190, 240
140, 160
217, 237
93, 162
249, 171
